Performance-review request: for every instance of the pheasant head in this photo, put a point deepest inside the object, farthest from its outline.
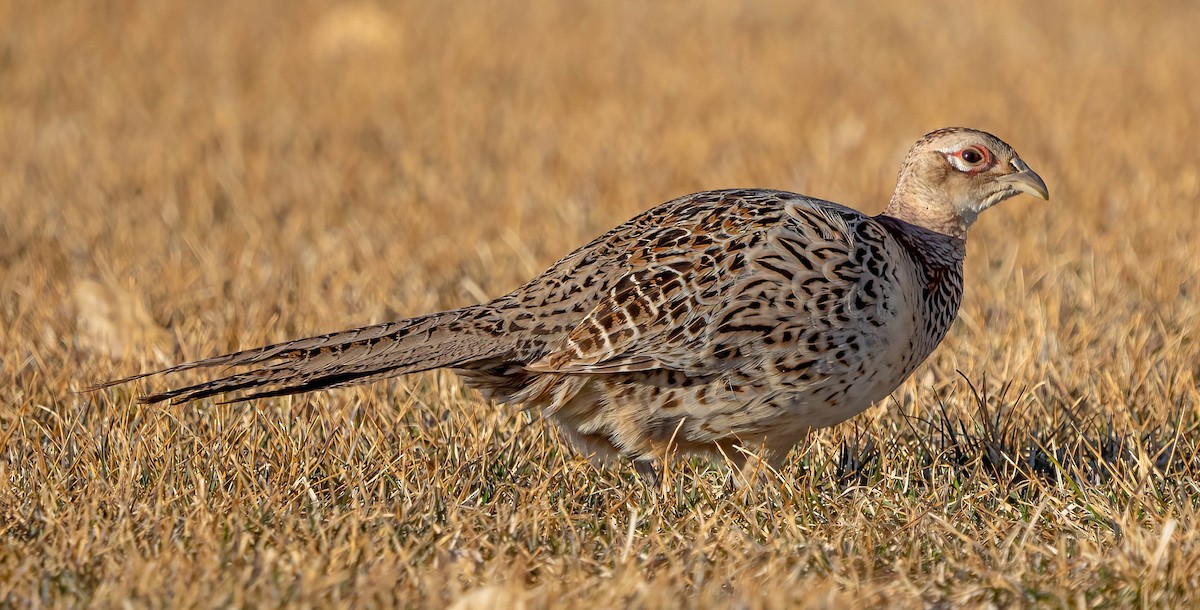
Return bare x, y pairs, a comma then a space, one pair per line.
953, 174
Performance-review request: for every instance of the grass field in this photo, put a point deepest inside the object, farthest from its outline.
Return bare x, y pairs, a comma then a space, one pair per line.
179, 179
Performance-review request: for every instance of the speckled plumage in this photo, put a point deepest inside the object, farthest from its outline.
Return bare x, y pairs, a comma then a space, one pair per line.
719, 320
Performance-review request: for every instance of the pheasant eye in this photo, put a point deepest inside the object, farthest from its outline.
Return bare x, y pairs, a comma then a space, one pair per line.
971, 155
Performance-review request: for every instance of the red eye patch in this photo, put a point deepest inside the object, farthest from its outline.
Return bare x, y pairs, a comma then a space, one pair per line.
975, 155
972, 160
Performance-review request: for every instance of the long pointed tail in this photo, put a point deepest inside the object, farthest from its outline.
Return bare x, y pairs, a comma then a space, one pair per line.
445, 339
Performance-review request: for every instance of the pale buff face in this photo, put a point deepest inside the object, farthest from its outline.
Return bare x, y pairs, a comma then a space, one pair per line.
952, 175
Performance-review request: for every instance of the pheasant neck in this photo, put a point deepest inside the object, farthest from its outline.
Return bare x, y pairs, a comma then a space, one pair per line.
931, 248
920, 212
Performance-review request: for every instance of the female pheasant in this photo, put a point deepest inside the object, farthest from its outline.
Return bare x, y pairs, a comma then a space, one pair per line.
715, 323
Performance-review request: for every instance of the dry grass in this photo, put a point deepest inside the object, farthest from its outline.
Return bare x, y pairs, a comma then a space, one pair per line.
179, 179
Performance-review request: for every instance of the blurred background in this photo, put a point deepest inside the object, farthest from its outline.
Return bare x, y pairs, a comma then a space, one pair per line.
201, 176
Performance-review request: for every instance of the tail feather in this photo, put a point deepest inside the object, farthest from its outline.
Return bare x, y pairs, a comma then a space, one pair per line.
336, 380
450, 338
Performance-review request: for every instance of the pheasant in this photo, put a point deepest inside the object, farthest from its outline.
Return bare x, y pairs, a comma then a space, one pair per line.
724, 323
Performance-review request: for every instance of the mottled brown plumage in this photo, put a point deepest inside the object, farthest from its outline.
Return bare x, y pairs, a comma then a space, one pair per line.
720, 321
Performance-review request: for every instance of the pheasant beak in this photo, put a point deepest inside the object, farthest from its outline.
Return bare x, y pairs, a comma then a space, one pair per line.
1025, 180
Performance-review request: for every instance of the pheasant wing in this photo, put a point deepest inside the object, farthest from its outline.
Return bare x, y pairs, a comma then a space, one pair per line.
765, 284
